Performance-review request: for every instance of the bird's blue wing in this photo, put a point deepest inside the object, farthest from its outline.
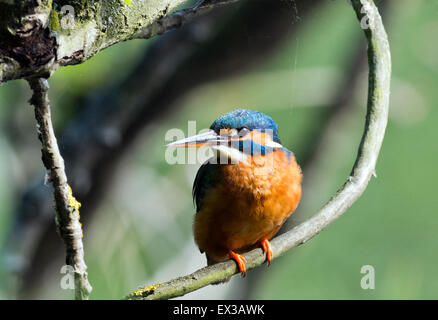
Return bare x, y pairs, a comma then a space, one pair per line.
206, 177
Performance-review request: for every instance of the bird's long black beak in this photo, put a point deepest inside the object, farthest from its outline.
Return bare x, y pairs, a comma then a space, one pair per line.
209, 138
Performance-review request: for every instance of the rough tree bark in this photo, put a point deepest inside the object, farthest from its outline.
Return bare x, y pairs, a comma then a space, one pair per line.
67, 207
37, 37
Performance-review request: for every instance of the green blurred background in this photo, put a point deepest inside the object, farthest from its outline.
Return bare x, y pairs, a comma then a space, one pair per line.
142, 230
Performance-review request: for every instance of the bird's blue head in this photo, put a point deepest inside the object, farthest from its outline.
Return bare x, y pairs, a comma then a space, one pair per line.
246, 119
238, 135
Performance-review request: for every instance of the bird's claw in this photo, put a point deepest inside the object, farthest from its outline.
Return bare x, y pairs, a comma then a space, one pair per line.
266, 245
240, 260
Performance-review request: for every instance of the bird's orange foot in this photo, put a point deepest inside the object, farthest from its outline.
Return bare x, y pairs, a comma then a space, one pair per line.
266, 245
240, 260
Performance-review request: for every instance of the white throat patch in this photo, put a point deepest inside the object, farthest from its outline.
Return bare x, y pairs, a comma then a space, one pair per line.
233, 154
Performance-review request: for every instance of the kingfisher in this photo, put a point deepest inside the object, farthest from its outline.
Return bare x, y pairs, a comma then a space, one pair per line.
245, 192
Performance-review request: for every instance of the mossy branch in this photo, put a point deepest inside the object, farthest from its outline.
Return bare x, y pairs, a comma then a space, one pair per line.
66, 206
177, 19
38, 37
375, 125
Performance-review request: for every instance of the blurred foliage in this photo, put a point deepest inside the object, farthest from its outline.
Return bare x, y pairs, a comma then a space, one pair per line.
142, 232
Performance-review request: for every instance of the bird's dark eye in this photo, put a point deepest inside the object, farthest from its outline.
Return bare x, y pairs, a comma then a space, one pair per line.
243, 131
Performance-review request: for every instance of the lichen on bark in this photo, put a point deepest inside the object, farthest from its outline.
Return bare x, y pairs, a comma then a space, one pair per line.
97, 24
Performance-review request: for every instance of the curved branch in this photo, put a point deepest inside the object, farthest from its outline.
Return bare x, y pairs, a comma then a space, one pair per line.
377, 115
67, 208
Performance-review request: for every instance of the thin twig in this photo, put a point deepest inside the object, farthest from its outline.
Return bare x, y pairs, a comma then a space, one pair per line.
375, 125
66, 206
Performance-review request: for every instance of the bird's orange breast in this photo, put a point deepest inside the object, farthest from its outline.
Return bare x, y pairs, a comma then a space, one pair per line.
251, 202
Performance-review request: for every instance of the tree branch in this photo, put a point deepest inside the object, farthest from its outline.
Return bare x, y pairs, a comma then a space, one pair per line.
41, 43
67, 208
177, 19
377, 115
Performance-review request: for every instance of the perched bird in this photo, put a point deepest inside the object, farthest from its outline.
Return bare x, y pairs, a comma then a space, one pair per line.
245, 192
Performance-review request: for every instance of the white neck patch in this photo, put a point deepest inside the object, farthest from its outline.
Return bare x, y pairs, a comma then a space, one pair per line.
226, 152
